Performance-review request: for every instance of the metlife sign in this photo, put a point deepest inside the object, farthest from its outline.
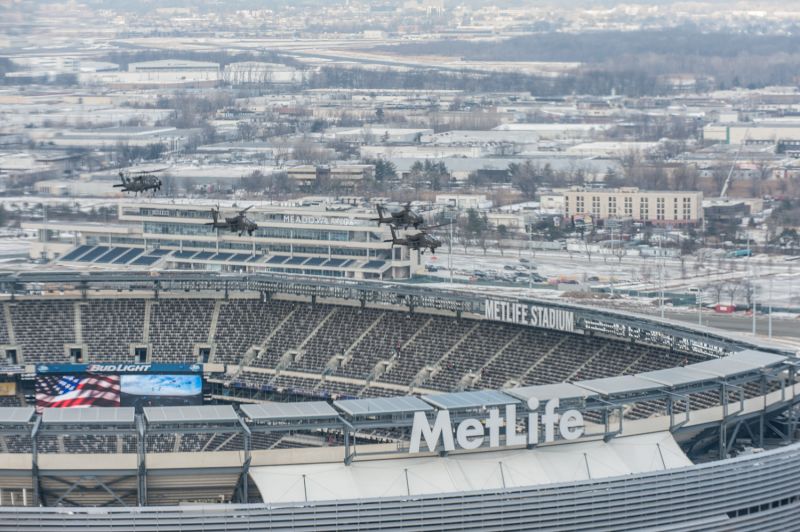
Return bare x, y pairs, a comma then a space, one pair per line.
531, 315
471, 433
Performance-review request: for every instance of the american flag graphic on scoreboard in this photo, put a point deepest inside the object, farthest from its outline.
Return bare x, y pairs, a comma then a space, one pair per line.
76, 391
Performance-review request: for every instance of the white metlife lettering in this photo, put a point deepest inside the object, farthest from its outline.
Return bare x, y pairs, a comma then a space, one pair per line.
531, 315
471, 433
442, 428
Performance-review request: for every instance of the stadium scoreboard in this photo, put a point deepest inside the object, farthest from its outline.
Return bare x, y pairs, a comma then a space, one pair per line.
112, 384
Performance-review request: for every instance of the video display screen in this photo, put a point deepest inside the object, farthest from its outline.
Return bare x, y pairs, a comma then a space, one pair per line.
80, 391
161, 390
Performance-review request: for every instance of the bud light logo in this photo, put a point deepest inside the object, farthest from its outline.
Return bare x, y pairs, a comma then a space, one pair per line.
118, 368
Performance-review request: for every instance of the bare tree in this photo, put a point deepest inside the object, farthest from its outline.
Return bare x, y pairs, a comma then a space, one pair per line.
619, 252
631, 165
308, 152
716, 288
501, 233
749, 291
732, 288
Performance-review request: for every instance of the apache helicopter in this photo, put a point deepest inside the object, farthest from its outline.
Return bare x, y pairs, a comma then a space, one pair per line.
418, 241
139, 182
240, 222
404, 217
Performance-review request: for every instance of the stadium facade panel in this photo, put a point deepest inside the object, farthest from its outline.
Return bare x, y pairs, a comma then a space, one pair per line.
756, 492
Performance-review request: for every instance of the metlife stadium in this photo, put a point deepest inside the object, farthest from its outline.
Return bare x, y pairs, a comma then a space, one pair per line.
357, 405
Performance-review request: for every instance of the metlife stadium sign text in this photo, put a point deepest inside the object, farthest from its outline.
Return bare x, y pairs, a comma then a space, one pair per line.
471, 433
532, 315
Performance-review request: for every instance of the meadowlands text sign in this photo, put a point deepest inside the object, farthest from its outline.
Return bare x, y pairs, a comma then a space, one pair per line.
471, 433
533, 315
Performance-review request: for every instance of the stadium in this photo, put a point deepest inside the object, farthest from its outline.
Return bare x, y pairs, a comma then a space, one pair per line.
271, 401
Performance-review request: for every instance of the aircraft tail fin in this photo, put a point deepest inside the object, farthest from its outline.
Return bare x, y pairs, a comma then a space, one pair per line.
394, 236
379, 219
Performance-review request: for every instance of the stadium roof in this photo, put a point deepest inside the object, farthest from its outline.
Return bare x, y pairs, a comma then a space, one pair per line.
89, 416
619, 384
289, 411
191, 414
382, 406
492, 472
15, 415
758, 358
545, 392
465, 400
738, 363
675, 376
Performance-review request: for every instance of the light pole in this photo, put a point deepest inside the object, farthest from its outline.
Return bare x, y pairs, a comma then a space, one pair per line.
769, 315
700, 307
452, 209
661, 272
530, 249
612, 225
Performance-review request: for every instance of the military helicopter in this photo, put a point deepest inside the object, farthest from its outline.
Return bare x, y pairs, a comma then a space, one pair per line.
404, 217
139, 182
240, 222
419, 241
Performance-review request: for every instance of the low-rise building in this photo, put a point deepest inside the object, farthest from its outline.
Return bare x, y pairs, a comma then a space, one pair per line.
657, 207
464, 201
343, 175
764, 132
552, 202
326, 240
512, 221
